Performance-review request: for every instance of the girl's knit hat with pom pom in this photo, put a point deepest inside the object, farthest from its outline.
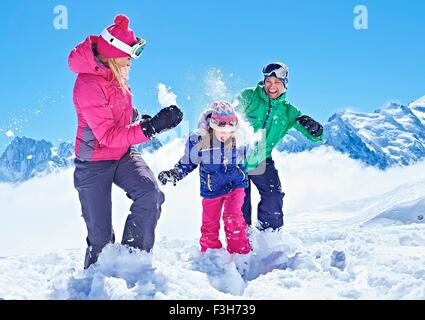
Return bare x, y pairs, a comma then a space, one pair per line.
120, 30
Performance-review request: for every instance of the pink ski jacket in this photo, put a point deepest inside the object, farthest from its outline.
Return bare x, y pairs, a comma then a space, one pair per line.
106, 116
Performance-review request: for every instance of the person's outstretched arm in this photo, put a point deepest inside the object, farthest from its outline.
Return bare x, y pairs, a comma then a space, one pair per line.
309, 128
243, 100
184, 166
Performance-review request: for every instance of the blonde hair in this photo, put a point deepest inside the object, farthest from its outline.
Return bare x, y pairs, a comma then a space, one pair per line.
206, 139
120, 74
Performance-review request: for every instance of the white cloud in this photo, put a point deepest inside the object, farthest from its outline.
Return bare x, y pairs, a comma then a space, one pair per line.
325, 176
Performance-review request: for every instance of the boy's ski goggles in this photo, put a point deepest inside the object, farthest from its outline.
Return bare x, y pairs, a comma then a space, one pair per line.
133, 51
279, 70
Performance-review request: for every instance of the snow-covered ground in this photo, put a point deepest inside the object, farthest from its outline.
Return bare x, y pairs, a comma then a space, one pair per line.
351, 232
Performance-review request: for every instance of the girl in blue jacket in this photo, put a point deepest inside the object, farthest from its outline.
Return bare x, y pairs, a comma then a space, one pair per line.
223, 179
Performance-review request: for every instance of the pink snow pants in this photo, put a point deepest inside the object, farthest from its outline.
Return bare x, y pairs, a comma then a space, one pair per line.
234, 223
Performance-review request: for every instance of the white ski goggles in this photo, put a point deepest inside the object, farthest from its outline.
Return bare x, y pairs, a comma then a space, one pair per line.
133, 51
277, 69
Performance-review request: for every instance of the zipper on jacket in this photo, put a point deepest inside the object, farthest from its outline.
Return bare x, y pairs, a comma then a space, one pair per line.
222, 156
241, 171
268, 114
209, 183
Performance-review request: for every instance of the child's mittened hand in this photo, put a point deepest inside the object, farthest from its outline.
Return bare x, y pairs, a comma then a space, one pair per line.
169, 176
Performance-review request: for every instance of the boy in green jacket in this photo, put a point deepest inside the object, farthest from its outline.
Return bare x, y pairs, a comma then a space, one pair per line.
266, 108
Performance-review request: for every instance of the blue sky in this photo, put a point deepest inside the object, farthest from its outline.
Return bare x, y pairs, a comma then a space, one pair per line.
332, 65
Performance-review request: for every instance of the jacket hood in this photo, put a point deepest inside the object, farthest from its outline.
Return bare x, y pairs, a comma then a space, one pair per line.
204, 122
82, 59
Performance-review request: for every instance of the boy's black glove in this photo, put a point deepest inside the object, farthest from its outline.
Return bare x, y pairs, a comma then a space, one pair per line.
313, 127
165, 119
169, 176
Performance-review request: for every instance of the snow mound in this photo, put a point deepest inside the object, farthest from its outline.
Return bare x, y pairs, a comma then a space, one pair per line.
354, 263
399, 204
221, 270
404, 213
272, 251
118, 274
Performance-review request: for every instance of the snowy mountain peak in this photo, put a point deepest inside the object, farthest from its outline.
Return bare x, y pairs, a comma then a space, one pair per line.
394, 109
25, 158
391, 135
419, 102
418, 109
390, 106
66, 150
336, 115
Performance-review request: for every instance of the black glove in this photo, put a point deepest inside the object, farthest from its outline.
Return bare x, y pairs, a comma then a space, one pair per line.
313, 127
165, 119
146, 117
169, 176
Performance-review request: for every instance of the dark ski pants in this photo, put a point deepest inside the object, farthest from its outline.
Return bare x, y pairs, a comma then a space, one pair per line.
269, 212
93, 181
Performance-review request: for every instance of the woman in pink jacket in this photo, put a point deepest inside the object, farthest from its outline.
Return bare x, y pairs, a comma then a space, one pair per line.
108, 126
